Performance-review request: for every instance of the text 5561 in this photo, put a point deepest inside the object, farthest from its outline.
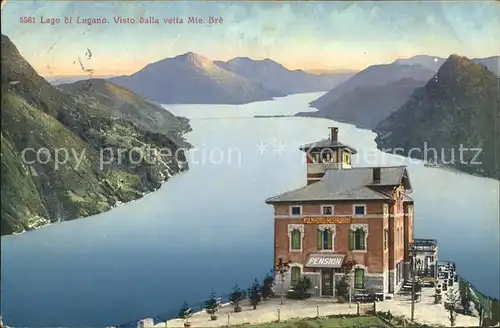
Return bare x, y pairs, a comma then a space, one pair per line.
27, 19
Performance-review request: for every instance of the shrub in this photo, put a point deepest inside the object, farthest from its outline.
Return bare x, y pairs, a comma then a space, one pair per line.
342, 288
212, 306
185, 312
301, 289
254, 294
235, 297
267, 285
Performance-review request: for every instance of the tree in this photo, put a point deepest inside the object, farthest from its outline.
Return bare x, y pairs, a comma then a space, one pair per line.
235, 297
185, 313
465, 300
452, 302
342, 288
267, 285
254, 294
212, 306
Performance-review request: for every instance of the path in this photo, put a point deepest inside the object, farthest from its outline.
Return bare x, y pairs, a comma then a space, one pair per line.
425, 312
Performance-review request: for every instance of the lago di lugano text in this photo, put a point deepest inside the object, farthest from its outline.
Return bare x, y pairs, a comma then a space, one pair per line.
121, 20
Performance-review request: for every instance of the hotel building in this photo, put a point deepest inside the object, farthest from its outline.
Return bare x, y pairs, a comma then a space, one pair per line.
345, 213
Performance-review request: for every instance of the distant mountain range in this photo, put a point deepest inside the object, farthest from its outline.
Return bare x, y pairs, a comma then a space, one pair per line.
434, 63
275, 76
367, 105
83, 120
56, 80
379, 90
457, 109
194, 79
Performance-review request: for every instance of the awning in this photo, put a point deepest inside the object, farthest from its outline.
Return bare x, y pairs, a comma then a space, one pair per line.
325, 261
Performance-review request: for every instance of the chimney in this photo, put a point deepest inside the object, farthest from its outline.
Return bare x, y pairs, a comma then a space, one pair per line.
376, 175
334, 134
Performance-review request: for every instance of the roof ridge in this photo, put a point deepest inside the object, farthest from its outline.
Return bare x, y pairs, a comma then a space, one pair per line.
376, 167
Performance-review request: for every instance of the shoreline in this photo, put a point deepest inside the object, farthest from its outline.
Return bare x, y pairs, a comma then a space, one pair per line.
45, 223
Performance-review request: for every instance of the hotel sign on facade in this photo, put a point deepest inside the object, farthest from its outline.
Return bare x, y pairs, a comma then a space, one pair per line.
327, 220
325, 261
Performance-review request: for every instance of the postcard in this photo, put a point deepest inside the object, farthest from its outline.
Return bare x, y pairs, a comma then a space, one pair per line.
210, 163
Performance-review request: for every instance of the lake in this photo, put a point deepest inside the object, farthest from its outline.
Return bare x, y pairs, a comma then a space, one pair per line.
209, 228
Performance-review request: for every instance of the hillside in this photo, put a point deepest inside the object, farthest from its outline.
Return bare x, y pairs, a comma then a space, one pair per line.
193, 79
458, 109
128, 105
91, 176
367, 106
376, 75
275, 76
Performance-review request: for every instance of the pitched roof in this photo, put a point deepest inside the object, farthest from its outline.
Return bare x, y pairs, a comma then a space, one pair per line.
327, 143
348, 184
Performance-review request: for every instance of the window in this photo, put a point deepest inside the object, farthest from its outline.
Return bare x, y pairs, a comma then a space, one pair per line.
359, 278
327, 210
295, 275
359, 210
386, 239
357, 239
296, 239
347, 159
295, 210
386, 209
325, 238
326, 156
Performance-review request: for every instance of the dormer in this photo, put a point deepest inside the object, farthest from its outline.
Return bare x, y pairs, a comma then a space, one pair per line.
327, 154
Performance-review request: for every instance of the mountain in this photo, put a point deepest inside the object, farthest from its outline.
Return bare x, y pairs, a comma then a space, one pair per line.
332, 71
366, 106
193, 79
459, 109
431, 62
59, 79
275, 76
128, 105
63, 157
376, 75
435, 62
491, 63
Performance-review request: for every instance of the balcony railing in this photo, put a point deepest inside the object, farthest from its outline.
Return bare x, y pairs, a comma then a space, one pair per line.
425, 245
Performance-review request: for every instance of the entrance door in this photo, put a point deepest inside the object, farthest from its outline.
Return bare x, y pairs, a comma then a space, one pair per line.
327, 282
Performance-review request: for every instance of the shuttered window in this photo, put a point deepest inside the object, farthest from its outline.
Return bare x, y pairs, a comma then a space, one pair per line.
357, 240
359, 278
296, 239
325, 239
295, 275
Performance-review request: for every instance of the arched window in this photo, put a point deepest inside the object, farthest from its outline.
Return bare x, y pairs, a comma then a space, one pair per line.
296, 239
357, 239
325, 239
359, 278
295, 275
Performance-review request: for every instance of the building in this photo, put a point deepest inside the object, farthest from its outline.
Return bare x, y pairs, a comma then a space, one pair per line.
426, 258
345, 213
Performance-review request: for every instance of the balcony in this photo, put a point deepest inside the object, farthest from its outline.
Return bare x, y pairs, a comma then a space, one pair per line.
425, 245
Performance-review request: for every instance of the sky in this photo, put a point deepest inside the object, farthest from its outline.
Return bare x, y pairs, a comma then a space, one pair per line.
299, 35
